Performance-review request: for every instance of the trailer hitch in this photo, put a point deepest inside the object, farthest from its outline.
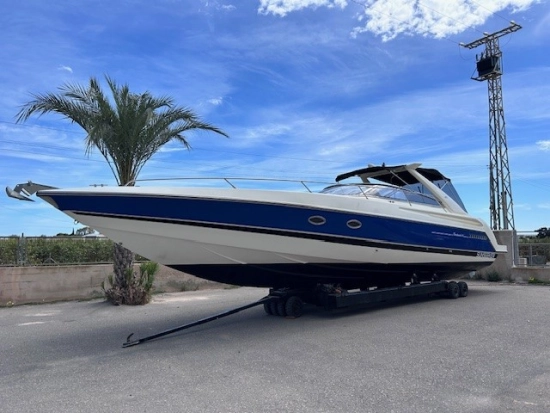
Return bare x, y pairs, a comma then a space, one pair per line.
130, 343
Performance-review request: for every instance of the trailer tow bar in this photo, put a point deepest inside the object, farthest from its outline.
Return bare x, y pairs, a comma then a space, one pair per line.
130, 343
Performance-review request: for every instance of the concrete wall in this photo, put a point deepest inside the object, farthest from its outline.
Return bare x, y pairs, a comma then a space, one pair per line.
520, 274
25, 285
504, 264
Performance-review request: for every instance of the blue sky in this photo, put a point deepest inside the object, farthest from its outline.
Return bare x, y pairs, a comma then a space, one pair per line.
306, 89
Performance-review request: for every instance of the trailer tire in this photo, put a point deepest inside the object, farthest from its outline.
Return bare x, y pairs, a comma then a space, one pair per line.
267, 308
463, 289
294, 306
453, 290
273, 307
281, 308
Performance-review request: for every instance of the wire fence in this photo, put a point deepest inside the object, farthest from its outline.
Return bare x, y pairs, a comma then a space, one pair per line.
534, 254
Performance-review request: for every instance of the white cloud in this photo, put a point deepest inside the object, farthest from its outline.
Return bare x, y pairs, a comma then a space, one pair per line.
544, 145
216, 101
390, 18
283, 7
216, 5
66, 68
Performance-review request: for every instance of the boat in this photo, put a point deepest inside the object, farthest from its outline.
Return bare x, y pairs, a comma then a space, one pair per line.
394, 225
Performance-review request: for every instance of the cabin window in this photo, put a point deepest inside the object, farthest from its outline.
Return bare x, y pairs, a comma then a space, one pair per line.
354, 224
317, 220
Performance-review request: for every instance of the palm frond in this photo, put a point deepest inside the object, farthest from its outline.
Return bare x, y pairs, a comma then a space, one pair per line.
126, 128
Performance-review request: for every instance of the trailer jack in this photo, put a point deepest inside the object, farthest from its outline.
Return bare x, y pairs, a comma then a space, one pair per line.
130, 343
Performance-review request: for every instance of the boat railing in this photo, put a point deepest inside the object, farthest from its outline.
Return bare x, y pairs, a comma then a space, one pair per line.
233, 181
409, 196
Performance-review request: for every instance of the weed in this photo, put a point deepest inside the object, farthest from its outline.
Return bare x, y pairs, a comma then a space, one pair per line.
534, 280
494, 277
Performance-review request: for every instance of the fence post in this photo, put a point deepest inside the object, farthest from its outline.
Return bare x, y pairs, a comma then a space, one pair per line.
22, 250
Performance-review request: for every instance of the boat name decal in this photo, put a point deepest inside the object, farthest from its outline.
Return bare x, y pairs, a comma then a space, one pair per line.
485, 254
458, 235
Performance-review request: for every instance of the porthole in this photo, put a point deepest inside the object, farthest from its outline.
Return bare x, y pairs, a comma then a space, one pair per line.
354, 224
317, 220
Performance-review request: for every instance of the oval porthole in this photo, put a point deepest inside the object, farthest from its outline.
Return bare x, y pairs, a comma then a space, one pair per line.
354, 224
317, 220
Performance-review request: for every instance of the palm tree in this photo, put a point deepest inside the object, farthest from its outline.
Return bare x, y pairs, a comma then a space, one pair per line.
127, 130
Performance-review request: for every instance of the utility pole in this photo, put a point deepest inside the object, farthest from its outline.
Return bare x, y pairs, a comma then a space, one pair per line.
489, 68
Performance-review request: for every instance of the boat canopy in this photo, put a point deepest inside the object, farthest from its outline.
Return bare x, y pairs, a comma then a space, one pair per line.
394, 175
401, 176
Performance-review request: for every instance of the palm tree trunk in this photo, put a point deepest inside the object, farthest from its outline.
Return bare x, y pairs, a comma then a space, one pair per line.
123, 259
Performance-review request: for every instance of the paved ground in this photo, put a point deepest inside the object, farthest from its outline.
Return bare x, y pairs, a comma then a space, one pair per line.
488, 352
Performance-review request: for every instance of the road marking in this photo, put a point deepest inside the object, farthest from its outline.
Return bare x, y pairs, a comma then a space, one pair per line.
32, 323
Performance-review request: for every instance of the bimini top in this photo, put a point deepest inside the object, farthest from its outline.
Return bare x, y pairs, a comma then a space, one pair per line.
394, 175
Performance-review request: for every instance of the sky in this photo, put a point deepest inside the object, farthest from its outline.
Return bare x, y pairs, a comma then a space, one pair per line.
306, 90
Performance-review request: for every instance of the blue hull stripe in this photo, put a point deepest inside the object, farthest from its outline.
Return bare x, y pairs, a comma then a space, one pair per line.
279, 220
303, 235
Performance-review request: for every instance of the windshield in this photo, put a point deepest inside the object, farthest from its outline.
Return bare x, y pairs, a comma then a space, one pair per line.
380, 191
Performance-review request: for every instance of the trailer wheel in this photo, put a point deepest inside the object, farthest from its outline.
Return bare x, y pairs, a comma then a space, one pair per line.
463, 289
267, 308
273, 307
453, 290
281, 308
294, 306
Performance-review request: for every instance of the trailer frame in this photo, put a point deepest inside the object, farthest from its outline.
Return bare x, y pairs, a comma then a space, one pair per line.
289, 303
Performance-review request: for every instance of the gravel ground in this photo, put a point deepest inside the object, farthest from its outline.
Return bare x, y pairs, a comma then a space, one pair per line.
487, 352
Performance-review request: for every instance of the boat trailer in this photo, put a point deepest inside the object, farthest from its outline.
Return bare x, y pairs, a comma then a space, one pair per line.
289, 303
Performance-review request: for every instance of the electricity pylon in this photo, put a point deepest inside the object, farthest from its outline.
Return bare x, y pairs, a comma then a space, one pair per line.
489, 68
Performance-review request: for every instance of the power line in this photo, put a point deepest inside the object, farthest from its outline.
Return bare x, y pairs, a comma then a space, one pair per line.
490, 11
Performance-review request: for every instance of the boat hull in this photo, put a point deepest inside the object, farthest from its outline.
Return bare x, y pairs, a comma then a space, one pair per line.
266, 240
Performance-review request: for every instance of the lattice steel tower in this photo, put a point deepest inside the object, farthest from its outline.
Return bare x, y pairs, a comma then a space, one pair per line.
489, 68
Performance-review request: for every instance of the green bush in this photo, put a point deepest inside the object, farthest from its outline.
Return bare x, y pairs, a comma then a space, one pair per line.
56, 251
8, 250
68, 251
534, 280
138, 286
494, 277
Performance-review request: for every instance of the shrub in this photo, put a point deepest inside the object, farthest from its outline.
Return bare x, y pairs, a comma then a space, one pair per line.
8, 250
534, 280
68, 250
138, 287
494, 277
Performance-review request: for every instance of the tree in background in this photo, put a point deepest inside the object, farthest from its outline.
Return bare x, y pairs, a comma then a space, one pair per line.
127, 129
543, 232
82, 232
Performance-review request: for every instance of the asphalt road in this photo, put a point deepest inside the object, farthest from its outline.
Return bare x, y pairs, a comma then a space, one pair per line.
488, 352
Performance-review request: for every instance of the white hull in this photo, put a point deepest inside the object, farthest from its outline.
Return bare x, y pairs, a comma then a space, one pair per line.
186, 245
